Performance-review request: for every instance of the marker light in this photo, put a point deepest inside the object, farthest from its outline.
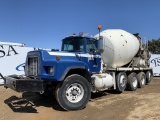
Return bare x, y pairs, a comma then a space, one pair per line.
57, 58
74, 34
99, 27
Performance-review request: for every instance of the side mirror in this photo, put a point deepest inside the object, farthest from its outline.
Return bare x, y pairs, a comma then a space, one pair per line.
100, 45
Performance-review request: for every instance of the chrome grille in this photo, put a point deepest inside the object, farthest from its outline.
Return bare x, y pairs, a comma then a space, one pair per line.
33, 66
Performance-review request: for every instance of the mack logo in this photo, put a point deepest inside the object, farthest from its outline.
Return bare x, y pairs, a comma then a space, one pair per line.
20, 67
156, 61
8, 52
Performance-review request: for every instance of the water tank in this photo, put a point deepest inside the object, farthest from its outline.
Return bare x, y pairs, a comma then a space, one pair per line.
119, 47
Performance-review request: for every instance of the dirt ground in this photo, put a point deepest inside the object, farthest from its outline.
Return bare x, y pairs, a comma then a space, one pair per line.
142, 104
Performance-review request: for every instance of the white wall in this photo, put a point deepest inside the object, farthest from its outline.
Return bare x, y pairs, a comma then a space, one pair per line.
155, 64
12, 59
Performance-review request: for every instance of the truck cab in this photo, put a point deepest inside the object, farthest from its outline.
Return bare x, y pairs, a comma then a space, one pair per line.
78, 53
85, 49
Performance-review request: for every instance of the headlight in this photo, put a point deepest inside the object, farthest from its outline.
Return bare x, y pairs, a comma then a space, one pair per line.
51, 70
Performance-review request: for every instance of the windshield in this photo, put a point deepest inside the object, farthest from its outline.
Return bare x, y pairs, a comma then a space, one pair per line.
73, 45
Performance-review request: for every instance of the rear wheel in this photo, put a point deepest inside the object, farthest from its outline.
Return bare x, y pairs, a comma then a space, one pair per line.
132, 82
74, 93
149, 77
141, 79
121, 80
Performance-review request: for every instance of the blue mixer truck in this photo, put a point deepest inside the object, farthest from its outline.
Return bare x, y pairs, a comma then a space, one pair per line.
113, 59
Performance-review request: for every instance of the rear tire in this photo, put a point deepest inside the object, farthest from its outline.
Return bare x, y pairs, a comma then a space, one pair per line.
141, 79
132, 82
149, 77
74, 93
121, 80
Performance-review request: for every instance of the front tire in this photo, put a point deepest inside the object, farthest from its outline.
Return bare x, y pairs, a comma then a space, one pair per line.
74, 93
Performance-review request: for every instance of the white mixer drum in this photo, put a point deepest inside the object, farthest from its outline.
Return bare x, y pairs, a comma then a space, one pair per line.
119, 47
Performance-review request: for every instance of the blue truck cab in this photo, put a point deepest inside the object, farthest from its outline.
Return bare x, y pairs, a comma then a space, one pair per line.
77, 53
66, 72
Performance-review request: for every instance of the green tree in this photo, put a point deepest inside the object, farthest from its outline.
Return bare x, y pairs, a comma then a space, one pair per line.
154, 46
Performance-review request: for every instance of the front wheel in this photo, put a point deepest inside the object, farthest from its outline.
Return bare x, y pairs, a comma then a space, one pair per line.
74, 93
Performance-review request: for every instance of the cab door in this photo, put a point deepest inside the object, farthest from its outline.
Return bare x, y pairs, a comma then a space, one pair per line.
94, 58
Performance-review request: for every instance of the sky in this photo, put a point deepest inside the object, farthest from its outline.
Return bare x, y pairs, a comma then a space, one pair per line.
44, 23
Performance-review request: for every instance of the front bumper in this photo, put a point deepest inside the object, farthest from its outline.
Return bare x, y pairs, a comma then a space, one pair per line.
24, 85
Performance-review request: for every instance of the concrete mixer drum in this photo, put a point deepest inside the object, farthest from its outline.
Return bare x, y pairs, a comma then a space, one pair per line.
119, 47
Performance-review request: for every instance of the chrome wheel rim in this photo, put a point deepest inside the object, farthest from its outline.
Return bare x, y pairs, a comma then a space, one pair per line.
143, 80
135, 82
74, 93
122, 80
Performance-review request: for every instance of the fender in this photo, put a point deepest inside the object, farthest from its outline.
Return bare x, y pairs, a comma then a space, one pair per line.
68, 69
